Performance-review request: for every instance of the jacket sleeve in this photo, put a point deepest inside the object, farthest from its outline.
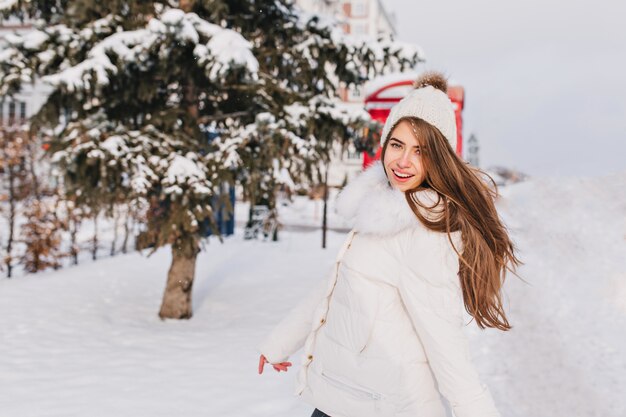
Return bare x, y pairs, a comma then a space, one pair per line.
291, 332
431, 292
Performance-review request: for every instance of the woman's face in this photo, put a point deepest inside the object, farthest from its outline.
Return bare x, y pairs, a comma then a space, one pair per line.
403, 159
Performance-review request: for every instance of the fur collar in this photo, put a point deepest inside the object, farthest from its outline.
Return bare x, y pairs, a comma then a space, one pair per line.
373, 206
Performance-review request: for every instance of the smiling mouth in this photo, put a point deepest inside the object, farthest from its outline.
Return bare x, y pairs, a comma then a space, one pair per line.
401, 176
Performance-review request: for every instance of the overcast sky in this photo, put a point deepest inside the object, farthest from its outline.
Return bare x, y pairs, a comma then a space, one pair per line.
545, 80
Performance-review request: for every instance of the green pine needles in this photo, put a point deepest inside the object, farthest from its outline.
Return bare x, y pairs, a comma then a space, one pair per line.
163, 102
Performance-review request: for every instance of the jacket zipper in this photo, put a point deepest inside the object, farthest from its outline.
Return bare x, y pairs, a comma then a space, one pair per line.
358, 391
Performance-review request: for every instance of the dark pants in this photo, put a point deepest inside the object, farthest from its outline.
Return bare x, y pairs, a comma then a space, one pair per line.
318, 413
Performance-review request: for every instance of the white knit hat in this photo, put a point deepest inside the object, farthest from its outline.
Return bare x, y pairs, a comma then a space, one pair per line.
429, 102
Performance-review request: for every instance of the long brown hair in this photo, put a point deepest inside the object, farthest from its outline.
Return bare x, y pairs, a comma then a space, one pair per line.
468, 197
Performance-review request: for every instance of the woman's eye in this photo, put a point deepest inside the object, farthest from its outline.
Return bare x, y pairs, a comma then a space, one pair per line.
395, 145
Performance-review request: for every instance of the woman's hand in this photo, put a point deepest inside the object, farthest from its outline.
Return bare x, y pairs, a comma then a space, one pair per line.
282, 366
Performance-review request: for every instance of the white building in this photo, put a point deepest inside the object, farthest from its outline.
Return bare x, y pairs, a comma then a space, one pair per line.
358, 18
15, 110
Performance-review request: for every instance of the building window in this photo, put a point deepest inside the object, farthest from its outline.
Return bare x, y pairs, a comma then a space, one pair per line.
22, 111
359, 8
11, 113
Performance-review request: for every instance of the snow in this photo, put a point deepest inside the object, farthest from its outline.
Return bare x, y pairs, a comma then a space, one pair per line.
297, 114
7, 4
200, 51
77, 77
203, 27
282, 175
301, 213
45, 56
230, 48
225, 48
176, 17
101, 25
305, 148
35, 39
7, 54
100, 350
115, 145
95, 154
565, 355
86, 340
377, 83
182, 169
345, 113
173, 17
227, 151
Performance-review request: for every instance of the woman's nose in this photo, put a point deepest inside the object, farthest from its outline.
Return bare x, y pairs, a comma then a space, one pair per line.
404, 160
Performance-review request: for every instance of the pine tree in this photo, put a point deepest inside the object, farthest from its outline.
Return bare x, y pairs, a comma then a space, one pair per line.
140, 86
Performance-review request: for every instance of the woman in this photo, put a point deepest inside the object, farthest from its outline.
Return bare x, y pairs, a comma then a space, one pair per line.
383, 336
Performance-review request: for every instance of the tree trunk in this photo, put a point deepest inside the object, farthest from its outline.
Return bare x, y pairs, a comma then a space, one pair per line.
72, 226
94, 248
324, 215
177, 297
59, 222
116, 224
74, 245
126, 230
12, 203
31, 149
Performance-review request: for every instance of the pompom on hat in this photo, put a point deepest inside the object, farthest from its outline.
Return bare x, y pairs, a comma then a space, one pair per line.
429, 101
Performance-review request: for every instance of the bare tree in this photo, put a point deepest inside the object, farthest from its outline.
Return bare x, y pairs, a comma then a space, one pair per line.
13, 168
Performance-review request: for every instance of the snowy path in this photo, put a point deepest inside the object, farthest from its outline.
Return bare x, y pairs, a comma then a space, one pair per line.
86, 341
566, 355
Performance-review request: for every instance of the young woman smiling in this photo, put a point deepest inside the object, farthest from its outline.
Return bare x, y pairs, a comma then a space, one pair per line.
402, 157
383, 335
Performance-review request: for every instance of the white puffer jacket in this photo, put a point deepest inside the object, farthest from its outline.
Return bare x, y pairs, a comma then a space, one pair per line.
383, 336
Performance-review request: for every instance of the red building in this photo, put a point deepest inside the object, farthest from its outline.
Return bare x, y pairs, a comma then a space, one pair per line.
384, 92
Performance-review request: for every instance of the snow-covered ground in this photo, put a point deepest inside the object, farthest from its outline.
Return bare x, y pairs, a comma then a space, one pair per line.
86, 340
301, 213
